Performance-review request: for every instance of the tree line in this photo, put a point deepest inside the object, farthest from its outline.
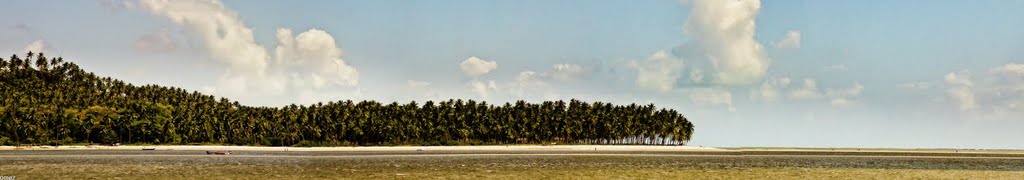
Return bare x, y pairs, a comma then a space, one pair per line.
50, 101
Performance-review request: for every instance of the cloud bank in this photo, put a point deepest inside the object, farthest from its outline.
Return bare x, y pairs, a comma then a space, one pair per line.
476, 67
999, 92
659, 72
723, 53
783, 88
307, 63
725, 30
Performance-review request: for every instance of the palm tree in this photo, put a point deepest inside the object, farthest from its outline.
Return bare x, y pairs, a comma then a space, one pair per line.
41, 62
58, 100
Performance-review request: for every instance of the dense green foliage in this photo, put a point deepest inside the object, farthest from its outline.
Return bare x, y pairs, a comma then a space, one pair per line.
49, 101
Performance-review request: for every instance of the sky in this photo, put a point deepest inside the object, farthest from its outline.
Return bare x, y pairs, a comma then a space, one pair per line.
798, 73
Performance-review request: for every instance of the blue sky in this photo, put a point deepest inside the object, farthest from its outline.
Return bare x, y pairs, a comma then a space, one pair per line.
747, 73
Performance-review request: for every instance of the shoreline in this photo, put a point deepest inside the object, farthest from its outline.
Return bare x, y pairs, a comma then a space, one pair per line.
374, 148
499, 148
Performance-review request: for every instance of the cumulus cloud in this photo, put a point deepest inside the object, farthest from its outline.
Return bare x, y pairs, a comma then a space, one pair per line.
314, 52
769, 91
659, 72
809, 90
790, 41
528, 83
566, 72
782, 88
725, 30
421, 90
962, 78
226, 37
160, 42
961, 90
845, 96
711, 96
999, 92
527, 76
723, 53
1010, 71
476, 67
533, 85
35, 46
1009, 90
304, 63
484, 89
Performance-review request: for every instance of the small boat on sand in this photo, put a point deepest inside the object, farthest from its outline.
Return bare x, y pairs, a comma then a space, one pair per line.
148, 149
218, 152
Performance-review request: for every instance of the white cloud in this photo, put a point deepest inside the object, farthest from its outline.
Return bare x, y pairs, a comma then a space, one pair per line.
711, 96
846, 96
566, 72
808, 91
853, 91
1000, 92
422, 90
659, 72
779, 88
790, 41
247, 85
226, 37
529, 83
961, 78
314, 52
526, 76
964, 96
305, 64
769, 91
961, 90
723, 43
475, 67
484, 90
1010, 70
1009, 87
160, 42
726, 29
35, 47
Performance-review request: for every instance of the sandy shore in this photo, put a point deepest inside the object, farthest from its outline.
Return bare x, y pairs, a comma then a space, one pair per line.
500, 162
380, 148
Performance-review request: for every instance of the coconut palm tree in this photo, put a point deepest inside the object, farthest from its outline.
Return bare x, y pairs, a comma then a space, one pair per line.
58, 101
